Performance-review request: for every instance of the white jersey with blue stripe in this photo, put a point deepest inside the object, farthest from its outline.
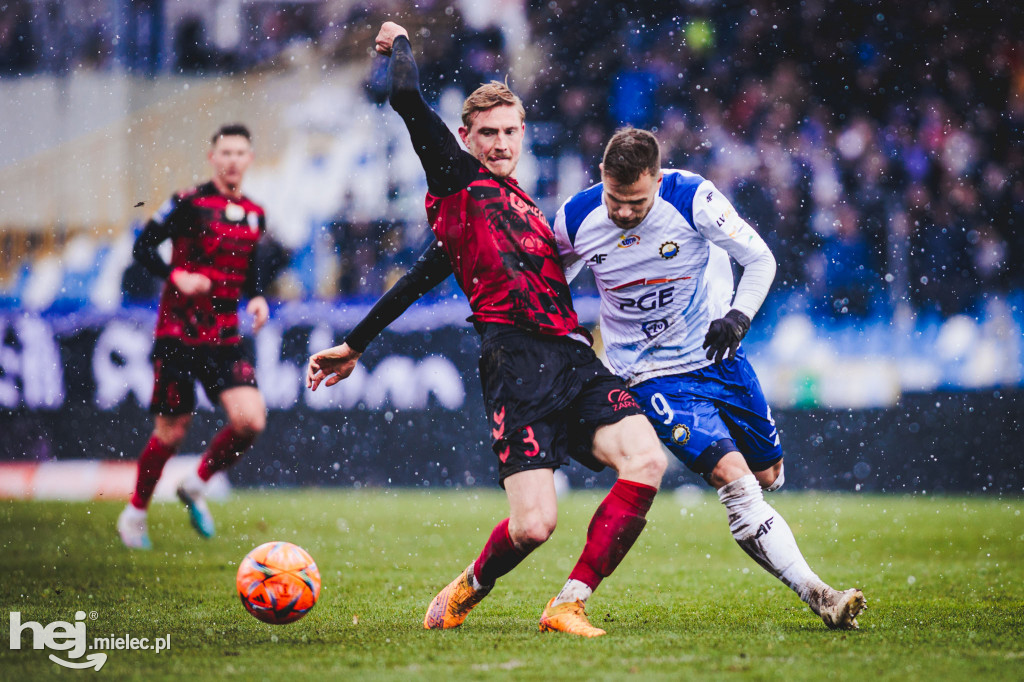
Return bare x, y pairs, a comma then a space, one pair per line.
663, 281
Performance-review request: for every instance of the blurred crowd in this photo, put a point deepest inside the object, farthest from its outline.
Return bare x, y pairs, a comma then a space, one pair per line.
877, 146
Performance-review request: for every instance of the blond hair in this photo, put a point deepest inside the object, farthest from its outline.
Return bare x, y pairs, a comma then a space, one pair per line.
488, 96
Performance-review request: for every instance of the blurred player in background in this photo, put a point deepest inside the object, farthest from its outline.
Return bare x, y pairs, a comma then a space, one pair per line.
547, 395
214, 230
658, 242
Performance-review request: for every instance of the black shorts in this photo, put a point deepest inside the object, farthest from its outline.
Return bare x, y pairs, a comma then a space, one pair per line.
545, 396
177, 367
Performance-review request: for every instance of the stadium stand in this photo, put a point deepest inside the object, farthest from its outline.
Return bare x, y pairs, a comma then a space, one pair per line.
887, 182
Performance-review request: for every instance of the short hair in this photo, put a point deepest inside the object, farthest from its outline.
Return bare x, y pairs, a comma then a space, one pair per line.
630, 153
488, 96
231, 130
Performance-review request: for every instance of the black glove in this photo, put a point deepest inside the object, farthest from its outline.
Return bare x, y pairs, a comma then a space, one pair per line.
724, 336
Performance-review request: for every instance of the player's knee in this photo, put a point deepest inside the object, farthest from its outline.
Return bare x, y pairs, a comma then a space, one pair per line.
532, 532
651, 465
250, 424
171, 436
772, 479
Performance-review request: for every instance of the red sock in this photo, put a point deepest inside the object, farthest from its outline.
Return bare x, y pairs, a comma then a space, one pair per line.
151, 465
225, 449
613, 530
500, 556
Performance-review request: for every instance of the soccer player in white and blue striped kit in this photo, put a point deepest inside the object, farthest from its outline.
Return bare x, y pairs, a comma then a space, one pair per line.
659, 242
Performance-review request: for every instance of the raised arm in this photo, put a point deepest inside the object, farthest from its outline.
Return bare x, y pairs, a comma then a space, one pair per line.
448, 167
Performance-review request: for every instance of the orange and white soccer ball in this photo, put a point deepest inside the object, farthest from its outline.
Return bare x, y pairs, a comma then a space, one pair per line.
278, 582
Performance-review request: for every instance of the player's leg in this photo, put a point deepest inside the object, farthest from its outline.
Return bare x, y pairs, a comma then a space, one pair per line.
517, 390
631, 448
172, 403
168, 433
764, 535
756, 526
624, 441
247, 417
533, 513
230, 379
772, 478
527, 459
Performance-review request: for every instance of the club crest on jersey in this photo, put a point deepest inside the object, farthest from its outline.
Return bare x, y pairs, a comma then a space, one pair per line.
681, 434
654, 327
669, 250
253, 219
533, 244
234, 213
626, 241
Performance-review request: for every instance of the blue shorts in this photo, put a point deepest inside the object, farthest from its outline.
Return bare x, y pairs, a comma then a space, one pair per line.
695, 412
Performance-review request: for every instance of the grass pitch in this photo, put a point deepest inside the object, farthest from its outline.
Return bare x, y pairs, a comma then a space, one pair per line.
944, 578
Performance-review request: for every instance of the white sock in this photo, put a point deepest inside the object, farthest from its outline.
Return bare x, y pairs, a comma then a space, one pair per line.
472, 578
133, 513
194, 485
765, 536
574, 590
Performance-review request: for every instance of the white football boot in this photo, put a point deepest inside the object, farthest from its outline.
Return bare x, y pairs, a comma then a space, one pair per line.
133, 529
838, 609
192, 493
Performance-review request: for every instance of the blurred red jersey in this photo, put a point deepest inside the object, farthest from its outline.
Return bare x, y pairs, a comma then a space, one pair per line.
216, 236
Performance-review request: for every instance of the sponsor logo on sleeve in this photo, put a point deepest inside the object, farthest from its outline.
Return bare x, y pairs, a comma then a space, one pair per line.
621, 400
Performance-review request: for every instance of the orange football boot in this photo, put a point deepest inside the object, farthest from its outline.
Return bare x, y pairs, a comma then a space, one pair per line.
568, 617
452, 604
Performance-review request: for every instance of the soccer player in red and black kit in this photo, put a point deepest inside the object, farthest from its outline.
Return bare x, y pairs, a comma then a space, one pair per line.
214, 230
548, 397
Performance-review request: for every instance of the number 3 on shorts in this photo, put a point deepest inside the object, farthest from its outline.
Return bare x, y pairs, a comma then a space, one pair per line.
530, 439
661, 406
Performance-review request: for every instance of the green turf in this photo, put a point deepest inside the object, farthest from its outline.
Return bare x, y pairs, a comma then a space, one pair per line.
944, 579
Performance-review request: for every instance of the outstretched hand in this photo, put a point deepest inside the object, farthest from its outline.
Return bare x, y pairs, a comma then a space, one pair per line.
333, 364
724, 335
389, 30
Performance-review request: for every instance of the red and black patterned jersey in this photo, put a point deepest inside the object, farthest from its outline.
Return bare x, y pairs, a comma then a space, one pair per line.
497, 241
504, 255
213, 235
